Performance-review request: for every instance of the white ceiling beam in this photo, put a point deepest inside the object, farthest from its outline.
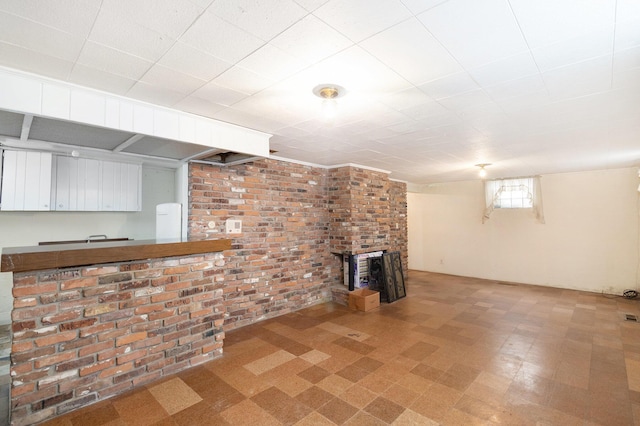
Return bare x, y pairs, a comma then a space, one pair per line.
133, 139
26, 127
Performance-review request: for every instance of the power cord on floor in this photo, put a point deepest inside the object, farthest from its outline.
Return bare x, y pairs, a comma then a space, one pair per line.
626, 294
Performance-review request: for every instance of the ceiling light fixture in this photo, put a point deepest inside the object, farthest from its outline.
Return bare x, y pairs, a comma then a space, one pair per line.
482, 173
329, 93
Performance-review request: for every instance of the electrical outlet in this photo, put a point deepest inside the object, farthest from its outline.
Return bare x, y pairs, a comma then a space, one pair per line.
233, 226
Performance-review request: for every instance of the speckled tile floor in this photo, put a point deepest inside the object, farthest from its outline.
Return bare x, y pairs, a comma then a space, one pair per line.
455, 351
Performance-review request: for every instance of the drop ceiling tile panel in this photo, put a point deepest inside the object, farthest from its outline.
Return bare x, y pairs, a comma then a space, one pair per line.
385, 117
117, 31
358, 20
626, 68
450, 85
311, 5
426, 110
39, 38
311, 40
522, 104
418, 6
520, 87
219, 94
272, 62
627, 34
101, 80
505, 69
155, 94
162, 76
243, 81
98, 56
410, 50
408, 98
549, 21
169, 17
459, 103
356, 71
199, 106
191, 61
250, 121
288, 133
475, 32
71, 16
582, 79
221, 39
407, 128
574, 50
627, 10
436, 121
202, 3
483, 111
269, 106
28, 60
263, 18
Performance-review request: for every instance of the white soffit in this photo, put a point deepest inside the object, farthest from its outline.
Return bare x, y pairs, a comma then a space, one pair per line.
65, 110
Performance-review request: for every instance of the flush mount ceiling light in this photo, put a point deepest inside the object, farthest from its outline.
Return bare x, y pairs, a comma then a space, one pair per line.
483, 173
329, 93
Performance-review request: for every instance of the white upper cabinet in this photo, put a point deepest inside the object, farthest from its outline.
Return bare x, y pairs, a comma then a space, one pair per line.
42, 181
77, 184
120, 187
26, 181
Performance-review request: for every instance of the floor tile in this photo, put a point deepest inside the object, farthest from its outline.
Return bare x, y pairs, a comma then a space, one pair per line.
358, 396
314, 374
278, 404
338, 411
384, 409
140, 408
174, 395
269, 362
455, 351
247, 413
315, 397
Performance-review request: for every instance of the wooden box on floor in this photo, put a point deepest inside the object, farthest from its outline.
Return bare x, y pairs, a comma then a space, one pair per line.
364, 299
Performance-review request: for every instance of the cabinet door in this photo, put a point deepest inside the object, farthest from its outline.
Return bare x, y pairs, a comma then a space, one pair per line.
77, 184
26, 180
120, 188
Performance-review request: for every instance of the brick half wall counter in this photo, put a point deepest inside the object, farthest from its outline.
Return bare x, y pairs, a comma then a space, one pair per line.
83, 334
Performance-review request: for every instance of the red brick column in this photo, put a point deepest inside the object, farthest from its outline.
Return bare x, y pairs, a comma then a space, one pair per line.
398, 219
83, 334
359, 207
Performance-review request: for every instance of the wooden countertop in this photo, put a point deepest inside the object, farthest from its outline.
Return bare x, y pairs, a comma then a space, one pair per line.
37, 258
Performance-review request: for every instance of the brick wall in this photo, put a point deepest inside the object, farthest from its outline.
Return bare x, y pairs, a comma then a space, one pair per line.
281, 261
398, 219
83, 334
294, 217
359, 207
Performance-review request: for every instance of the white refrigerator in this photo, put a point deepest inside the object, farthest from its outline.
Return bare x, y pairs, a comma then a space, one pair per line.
168, 221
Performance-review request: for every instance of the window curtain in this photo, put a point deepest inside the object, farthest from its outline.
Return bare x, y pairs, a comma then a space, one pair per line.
538, 210
493, 190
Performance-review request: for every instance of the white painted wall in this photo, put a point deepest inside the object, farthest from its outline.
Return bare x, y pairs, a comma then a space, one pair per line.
590, 240
19, 229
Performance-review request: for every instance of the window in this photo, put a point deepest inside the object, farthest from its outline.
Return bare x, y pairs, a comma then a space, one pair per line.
514, 193
511, 193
